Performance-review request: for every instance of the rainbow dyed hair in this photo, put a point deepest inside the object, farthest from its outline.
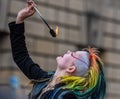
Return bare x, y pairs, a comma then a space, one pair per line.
93, 85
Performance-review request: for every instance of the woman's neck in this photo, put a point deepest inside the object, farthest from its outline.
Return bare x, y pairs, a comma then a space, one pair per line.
59, 73
56, 78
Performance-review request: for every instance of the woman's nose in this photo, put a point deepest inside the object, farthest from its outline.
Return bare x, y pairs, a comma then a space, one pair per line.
68, 51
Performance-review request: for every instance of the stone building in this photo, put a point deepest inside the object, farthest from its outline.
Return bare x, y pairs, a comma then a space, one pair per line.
81, 23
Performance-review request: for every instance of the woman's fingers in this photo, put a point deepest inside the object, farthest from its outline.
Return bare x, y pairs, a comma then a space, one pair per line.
31, 10
31, 2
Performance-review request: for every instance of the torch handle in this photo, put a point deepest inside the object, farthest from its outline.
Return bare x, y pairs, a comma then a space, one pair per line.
42, 17
52, 32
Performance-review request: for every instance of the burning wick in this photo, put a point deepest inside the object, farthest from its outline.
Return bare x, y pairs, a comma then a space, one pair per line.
54, 33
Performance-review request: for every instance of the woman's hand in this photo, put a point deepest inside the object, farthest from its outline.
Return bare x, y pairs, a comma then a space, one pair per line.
26, 12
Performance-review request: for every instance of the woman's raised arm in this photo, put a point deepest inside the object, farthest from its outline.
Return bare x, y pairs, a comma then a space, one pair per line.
18, 45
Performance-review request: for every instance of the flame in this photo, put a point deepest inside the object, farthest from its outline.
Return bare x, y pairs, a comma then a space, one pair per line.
56, 30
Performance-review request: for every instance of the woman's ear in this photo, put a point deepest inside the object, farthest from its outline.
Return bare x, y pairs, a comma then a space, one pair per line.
71, 69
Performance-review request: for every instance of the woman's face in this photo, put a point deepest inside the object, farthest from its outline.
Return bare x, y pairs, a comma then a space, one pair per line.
68, 59
65, 60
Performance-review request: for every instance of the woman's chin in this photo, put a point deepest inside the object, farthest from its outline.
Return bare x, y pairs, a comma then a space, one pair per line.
58, 58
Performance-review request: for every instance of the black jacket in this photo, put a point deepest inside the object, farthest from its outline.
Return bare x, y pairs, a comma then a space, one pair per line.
25, 63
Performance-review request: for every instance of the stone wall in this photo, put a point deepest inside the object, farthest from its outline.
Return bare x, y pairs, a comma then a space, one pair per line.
71, 18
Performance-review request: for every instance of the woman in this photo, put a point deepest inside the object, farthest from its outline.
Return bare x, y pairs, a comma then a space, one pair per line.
79, 75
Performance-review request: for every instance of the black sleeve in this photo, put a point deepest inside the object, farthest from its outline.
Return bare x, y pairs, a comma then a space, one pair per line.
20, 53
